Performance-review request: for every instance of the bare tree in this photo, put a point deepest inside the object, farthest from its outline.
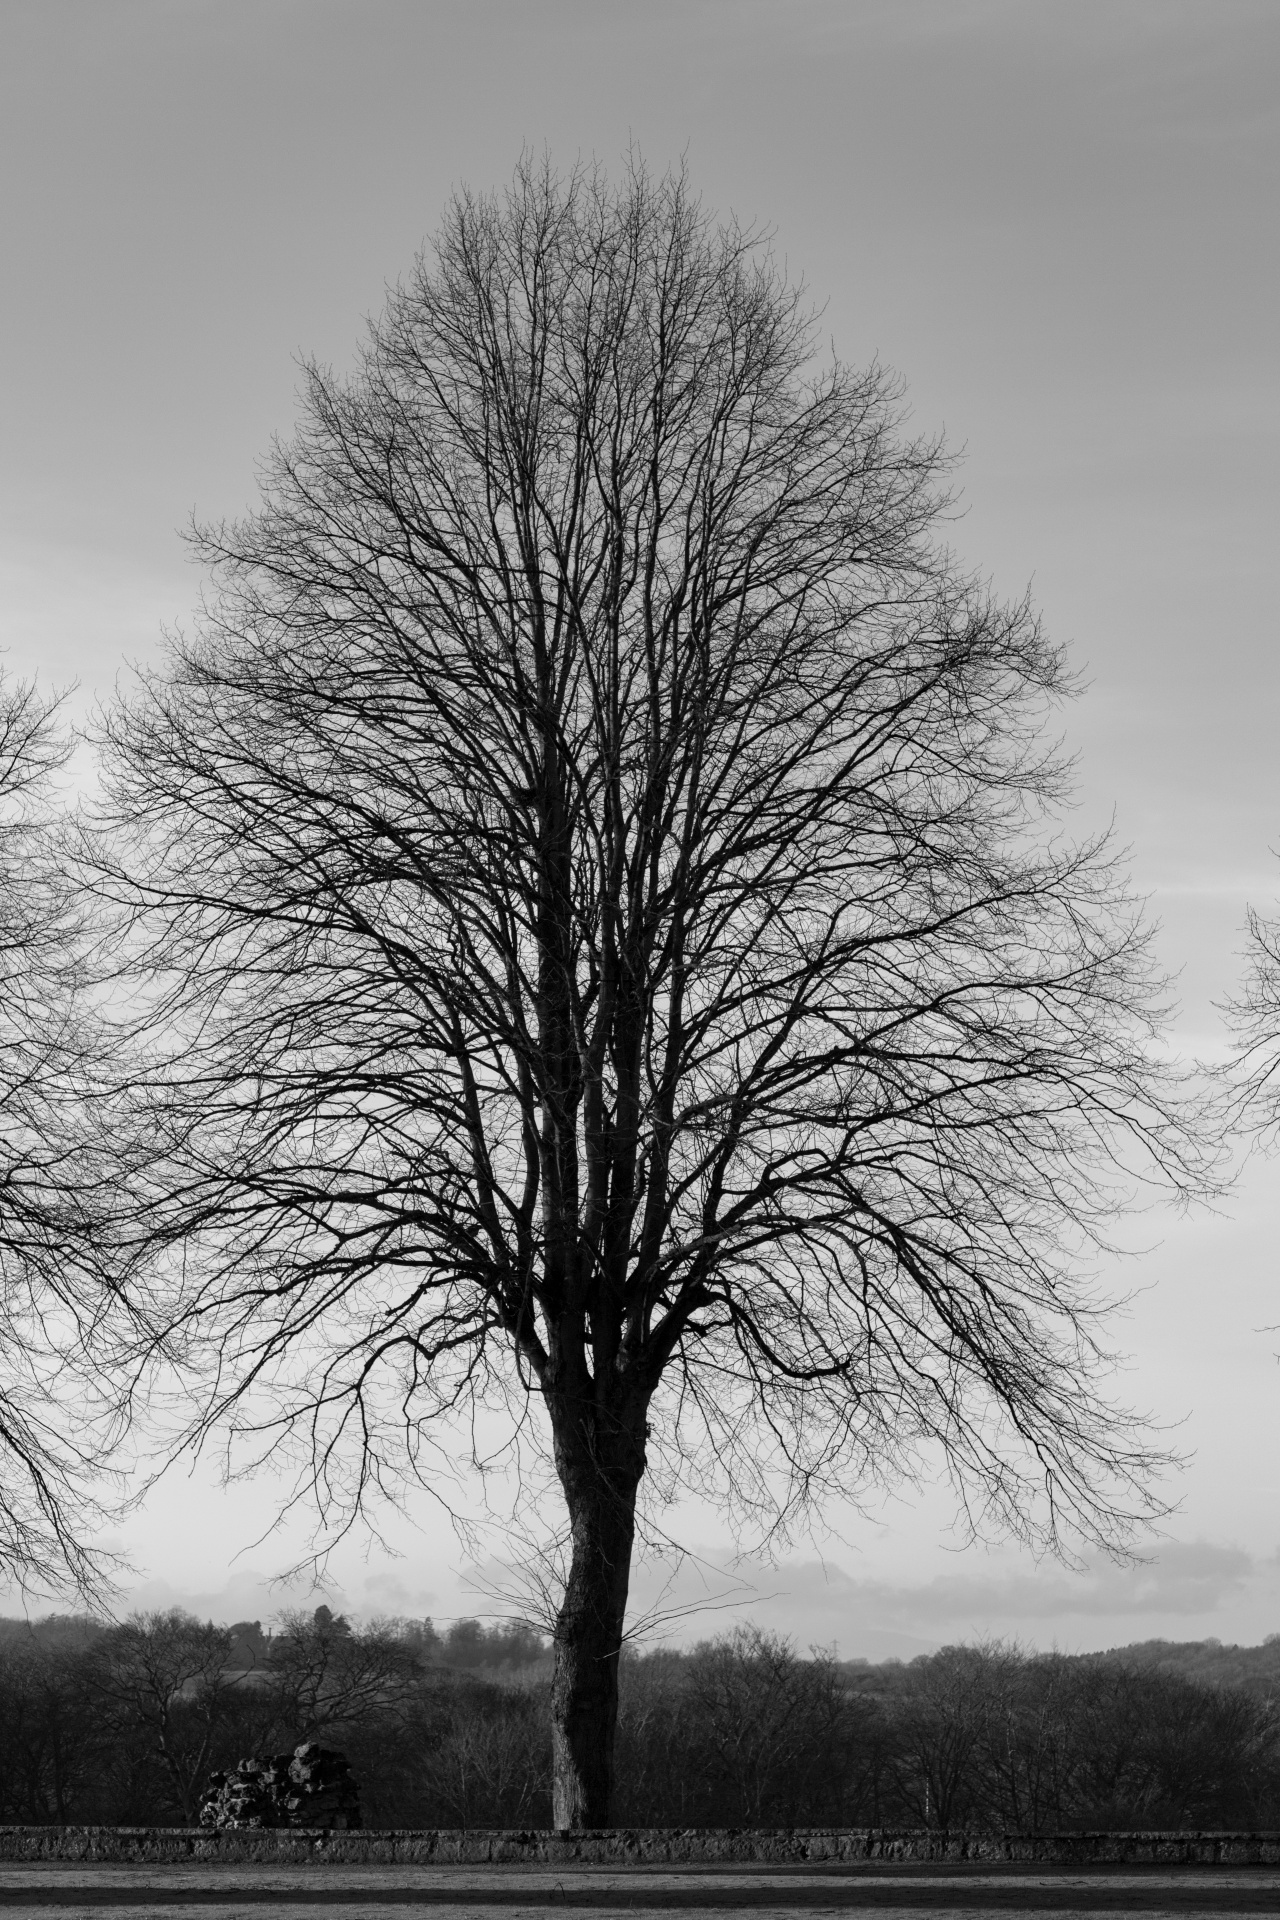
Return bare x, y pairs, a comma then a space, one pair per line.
489, 1767
608, 950
764, 1715
165, 1674
1254, 1017
942, 1721
52, 1286
50, 1746
324, 1674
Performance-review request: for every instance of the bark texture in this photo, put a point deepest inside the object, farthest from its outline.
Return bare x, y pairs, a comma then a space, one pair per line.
600, 1460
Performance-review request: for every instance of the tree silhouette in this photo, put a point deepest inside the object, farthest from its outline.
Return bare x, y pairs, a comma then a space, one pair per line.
608, 952
52, 1276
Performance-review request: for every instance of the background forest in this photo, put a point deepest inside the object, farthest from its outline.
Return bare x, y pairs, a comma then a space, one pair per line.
123, 1724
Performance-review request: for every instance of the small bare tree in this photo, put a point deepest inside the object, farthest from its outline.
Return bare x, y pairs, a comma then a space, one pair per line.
490, 1767
607, 951
52, 1286
762, 1712
944, 1719
323, 1674
164, 1675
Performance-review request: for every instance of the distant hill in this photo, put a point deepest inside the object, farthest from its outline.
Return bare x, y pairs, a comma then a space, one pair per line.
509, 1651
505, 1651
1255, 1669
61, 1630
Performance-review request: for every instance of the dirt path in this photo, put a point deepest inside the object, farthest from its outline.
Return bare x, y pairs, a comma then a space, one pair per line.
65, 1891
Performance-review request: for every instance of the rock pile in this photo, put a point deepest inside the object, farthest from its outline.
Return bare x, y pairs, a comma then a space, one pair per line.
310, 1787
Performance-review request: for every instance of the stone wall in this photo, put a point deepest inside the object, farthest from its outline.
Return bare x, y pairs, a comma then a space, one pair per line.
621, 1847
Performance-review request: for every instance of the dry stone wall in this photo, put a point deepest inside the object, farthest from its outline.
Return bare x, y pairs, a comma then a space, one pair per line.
621, 1847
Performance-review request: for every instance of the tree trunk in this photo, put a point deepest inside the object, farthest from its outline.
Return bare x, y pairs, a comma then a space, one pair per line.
588, 1638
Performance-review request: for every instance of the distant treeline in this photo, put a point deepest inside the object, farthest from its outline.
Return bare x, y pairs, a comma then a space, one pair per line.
123, 1724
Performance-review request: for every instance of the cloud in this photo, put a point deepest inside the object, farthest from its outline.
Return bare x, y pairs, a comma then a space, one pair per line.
387, 1592
1184, 1590
246, 1595
1182, 1578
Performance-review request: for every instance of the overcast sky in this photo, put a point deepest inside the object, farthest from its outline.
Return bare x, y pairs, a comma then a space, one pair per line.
1057, 221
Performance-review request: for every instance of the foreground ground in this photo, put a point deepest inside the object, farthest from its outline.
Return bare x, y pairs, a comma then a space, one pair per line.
518, 1893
